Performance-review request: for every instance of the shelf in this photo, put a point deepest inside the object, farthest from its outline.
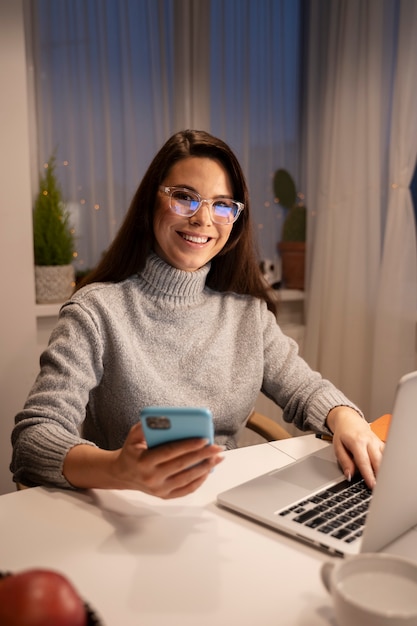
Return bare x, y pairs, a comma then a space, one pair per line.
291, 295
47, 310
52, 310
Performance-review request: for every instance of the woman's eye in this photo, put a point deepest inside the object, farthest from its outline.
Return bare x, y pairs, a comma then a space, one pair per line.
184, 195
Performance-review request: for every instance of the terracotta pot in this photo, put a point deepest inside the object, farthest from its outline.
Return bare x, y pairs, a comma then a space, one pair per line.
293, 263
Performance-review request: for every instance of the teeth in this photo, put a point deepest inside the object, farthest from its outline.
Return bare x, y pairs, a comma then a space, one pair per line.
196, 239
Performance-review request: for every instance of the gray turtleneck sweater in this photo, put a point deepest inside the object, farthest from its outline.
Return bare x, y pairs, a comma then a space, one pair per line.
159, 338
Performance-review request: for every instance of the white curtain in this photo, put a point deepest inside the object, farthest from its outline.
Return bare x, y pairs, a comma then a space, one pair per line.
114, 78
255, 98
103, 74
395, 345
361, 138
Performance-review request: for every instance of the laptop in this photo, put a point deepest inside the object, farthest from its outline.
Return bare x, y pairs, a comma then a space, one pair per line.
311, 500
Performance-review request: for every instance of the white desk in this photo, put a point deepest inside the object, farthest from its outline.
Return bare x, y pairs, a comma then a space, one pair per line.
141, 561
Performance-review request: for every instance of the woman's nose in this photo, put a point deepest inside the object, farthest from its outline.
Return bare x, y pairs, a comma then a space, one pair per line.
203, 214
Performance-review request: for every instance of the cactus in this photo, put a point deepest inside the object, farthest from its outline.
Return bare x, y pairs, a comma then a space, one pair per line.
294, 227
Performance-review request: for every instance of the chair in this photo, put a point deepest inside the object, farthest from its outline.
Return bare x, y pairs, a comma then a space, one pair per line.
20, 486
266, 427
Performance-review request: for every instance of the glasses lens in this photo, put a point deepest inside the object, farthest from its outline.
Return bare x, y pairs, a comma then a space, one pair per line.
225, 211
184, 202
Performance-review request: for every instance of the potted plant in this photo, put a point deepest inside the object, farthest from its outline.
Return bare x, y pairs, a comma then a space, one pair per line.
293, 240
53, 241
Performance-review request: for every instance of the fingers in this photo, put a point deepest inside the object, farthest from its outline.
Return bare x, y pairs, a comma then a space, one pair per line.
181, 475
368, 464
169, 470
135, 435
356, 446
178, 455
183, 484
363, 454
345, 460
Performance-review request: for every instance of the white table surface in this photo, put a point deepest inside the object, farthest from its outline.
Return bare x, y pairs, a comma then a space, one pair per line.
142, 561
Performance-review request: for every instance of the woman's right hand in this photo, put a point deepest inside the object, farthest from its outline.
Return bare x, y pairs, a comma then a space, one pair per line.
168, 471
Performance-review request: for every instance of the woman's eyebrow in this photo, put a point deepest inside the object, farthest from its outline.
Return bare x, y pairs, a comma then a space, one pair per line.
191, 188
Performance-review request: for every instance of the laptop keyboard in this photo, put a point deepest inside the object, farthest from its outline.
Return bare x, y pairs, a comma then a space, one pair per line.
339, 511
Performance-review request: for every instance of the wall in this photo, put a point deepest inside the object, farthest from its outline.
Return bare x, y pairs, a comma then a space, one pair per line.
17, 314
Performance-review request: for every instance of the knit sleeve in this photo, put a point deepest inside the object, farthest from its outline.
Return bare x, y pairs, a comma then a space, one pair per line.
304, 395
50, 423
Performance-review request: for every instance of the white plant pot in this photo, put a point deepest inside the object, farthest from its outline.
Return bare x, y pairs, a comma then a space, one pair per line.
54, 283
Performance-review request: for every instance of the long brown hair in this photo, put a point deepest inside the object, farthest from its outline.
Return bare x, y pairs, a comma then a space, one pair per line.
235, 268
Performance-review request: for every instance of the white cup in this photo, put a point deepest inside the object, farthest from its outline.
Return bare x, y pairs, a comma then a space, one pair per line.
372, 590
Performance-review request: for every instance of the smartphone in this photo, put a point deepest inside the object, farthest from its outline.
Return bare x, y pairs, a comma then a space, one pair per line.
163, 424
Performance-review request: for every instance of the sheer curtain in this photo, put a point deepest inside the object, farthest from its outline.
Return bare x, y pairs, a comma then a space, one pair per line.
396, 314
360, 139
255, 100
103, 75
115, 78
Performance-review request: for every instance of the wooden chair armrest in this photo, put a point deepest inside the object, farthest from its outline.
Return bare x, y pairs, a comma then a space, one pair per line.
20, 486
266, 427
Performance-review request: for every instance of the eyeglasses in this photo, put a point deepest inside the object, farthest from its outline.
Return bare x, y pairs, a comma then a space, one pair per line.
185, 202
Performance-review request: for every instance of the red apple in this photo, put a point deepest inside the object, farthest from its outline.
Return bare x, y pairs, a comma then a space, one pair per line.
40, 597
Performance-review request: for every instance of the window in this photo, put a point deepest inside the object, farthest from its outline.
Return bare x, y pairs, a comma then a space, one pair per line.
113, 80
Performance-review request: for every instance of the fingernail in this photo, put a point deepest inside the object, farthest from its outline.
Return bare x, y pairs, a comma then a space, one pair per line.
348, 475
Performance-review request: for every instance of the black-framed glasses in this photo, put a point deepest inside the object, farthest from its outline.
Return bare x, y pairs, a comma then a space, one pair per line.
186, 202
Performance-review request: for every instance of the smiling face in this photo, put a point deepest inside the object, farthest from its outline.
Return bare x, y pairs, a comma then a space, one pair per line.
188, 243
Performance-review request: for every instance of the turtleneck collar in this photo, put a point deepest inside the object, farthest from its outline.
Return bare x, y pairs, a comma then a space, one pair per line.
164, 280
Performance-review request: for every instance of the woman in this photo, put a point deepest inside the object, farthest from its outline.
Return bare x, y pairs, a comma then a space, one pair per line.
176, 313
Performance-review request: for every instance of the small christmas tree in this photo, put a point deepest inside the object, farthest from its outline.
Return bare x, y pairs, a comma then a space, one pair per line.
53, 238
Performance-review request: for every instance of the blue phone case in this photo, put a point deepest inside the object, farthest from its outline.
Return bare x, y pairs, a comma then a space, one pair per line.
163, 424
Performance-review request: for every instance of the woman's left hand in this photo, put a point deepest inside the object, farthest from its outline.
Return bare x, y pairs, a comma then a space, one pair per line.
356, 446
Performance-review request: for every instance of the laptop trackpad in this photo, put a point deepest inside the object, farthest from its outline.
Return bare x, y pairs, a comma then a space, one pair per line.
309, 473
